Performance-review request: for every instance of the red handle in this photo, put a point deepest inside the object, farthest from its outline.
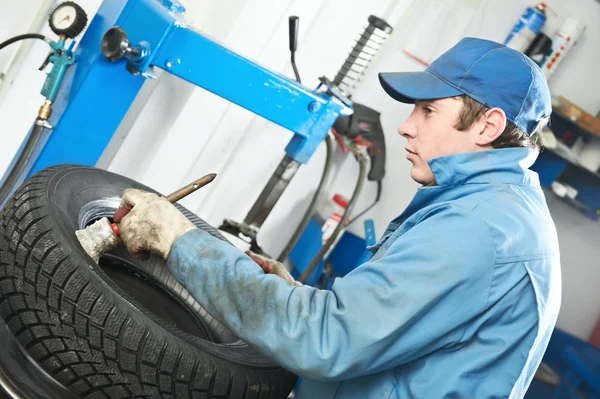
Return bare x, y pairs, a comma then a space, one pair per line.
340, 141
115, 229
121, 212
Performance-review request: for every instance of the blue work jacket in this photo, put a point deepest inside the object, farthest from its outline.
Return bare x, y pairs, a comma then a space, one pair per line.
458, 301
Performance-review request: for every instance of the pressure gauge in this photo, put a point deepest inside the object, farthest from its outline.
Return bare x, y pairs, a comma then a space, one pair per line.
68, 19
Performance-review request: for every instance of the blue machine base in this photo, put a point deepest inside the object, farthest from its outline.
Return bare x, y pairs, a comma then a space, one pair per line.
349, 253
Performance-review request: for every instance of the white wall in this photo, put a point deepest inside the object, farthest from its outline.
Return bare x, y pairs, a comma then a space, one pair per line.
175, 132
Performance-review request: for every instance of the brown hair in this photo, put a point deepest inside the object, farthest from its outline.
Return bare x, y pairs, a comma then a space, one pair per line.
512, 136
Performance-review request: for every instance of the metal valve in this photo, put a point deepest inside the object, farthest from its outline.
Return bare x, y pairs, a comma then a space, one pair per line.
115, 45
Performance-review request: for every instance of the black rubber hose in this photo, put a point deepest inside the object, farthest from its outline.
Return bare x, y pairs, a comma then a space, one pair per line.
13, 175
367, 209
359, 184
313, 203
22, 37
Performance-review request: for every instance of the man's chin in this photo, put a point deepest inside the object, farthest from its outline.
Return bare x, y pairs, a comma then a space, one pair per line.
415, 175
424, 179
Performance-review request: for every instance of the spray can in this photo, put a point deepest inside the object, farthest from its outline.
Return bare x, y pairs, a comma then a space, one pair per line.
562, 42
527, 28
539, 49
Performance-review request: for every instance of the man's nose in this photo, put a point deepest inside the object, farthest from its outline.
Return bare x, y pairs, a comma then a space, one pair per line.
407, 129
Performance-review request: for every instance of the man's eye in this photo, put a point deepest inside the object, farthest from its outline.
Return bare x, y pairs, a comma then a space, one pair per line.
428, 111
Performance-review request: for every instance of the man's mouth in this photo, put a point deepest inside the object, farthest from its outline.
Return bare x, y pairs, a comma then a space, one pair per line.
410, 151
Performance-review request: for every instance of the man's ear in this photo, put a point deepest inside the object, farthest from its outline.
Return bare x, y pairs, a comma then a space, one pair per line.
494, 123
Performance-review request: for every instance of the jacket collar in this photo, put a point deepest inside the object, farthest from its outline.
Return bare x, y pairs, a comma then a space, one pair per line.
505, 165
499, 166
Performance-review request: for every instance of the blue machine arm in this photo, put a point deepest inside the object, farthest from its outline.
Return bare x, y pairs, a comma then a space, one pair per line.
157, 36
309, 115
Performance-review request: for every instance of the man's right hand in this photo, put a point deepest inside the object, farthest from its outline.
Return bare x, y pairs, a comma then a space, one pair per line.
271, 266
149, 223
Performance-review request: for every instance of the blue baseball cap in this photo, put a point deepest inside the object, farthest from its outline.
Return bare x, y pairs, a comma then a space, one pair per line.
488, 72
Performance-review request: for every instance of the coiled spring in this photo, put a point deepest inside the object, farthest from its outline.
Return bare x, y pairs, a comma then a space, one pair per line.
363, 52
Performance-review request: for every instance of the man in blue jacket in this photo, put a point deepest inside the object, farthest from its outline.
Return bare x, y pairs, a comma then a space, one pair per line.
463, 290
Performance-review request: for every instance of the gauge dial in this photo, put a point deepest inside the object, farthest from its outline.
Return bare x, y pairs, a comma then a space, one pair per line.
64, 17
68, 19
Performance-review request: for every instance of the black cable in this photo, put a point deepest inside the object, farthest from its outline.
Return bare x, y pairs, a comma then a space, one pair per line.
295, 68
342, 225
22, 37
367, 209
313, 203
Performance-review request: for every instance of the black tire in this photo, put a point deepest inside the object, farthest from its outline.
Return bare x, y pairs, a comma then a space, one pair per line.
79, 323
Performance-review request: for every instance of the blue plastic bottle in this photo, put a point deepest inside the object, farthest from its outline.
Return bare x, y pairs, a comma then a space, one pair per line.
527, 28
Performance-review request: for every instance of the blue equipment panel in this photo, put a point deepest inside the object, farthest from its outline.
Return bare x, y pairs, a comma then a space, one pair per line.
349, 253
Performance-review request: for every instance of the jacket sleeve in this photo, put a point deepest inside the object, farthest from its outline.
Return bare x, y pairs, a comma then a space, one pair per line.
415, 299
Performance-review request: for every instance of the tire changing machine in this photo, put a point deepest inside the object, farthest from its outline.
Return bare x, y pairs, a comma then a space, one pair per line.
91, 89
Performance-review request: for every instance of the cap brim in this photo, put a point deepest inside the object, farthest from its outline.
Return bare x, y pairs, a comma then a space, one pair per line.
407, 87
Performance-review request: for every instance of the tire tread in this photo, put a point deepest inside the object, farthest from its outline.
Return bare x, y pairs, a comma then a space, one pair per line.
82, 334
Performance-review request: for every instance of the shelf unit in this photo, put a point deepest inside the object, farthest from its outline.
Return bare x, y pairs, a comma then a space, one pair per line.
552, 166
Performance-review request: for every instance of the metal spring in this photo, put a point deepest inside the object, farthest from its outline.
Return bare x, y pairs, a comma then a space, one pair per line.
363, 52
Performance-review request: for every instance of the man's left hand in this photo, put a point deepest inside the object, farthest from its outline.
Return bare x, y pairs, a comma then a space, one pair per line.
271, 266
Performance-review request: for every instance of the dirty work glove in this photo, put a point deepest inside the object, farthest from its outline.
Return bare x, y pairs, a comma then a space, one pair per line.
149, 224
271, 266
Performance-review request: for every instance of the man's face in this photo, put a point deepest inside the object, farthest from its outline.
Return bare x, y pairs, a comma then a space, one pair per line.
431, 133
